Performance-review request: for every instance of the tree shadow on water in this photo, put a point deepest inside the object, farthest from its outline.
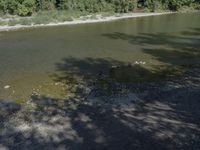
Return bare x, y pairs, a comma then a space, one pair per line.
72, 71
162, 118
172, 48
76, 123
72, 125
180, 51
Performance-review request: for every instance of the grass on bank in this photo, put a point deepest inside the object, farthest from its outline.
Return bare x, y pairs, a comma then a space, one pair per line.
46, 17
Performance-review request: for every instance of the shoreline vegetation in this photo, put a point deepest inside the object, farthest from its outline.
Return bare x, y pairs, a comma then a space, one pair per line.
29, 22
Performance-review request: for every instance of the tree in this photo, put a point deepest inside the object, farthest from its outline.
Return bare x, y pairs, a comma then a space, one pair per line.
26, 7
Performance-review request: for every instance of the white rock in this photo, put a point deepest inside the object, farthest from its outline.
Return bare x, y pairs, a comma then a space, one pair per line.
136, 62
56, 84
143, 62
7, 87
114, 66
140, 62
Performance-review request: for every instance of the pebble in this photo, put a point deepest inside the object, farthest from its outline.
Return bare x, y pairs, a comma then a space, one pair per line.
140, 62
56, 84
7, 87
114, 66
136, 62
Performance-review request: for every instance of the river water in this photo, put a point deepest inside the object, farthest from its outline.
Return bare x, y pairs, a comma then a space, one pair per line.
31, 59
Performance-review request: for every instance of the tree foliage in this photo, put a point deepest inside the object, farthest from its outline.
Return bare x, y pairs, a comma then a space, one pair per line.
20, 7
28, 7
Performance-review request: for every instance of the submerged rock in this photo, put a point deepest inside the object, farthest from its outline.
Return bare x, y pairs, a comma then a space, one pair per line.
139, 63
7, 87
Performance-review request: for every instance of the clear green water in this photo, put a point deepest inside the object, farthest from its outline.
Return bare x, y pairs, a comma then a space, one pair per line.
30, 58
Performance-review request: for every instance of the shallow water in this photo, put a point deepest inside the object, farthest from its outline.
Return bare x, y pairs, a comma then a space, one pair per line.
30, 59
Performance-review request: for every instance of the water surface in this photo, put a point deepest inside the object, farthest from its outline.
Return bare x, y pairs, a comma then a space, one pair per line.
30, 58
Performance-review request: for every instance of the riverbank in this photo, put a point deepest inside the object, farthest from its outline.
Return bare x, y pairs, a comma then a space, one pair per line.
81, 20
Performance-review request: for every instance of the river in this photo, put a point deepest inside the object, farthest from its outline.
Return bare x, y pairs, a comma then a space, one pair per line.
41, 59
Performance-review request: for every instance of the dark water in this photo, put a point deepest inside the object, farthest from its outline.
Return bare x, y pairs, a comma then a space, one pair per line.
29, 59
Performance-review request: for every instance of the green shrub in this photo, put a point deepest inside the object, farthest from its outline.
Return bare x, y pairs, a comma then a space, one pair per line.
45, 4
167, 4
28, 7
10, 6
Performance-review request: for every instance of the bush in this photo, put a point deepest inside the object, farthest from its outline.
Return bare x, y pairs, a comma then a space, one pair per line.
125, 5
153, 5
9, 6
26, 8
173, 5
2, 6
20, 7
